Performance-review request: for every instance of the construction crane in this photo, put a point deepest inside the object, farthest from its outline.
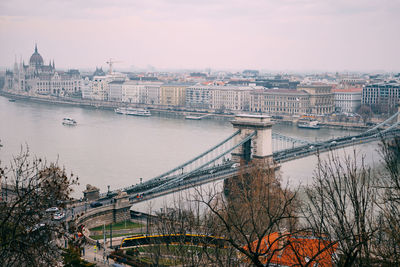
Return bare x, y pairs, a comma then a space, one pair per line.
110, 62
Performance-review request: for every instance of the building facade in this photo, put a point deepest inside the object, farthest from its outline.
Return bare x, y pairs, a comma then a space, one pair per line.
198, 97
152, 93
219, 98
133, 92
321, 98
347, 100
38, 78
173, 94
280, 102
100, 86
382, 97
115, 91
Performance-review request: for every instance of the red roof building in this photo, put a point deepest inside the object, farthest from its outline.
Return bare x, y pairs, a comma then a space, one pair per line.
295, 250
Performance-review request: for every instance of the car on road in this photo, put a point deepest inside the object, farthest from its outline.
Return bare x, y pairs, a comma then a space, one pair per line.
52, 209
59, 216
235, 165
96, 204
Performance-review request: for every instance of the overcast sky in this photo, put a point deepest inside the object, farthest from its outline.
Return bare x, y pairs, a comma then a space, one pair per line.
280, 35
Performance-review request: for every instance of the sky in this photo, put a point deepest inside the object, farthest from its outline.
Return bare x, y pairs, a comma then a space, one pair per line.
271, 35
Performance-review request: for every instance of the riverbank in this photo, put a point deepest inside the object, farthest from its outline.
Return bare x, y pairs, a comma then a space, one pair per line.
107, 105
162, 111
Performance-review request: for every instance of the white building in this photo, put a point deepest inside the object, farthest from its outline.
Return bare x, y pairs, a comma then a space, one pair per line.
100, 85
133, 92
115, 91
232, 98
347, 100
152, 93
198, 97
86, 88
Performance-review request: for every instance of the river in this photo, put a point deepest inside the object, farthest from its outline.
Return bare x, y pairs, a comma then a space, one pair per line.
110, 149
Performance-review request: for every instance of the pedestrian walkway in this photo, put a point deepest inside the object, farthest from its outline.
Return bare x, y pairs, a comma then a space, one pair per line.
99, 257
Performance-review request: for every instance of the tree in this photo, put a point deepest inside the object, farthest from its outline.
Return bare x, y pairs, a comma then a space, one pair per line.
254, 206
387, 239
341, 206
181, 220
28, 236
72, 258
365, 112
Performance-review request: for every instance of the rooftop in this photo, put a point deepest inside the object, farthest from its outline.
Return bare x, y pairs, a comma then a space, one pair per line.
348, 90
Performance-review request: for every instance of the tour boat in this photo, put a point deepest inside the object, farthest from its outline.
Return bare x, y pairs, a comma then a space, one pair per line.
69, 122
133, 111
308, 124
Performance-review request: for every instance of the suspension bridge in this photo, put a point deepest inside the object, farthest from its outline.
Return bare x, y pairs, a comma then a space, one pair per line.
252, 141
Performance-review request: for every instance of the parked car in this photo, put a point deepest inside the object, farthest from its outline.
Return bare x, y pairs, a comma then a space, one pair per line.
38, 226
96, 204
52, 209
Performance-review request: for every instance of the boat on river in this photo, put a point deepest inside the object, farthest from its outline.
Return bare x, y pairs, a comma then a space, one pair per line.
69, 122
133, 111
308, 124
192, 118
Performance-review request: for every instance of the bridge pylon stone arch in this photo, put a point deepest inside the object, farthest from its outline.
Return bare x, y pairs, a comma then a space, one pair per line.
259, 148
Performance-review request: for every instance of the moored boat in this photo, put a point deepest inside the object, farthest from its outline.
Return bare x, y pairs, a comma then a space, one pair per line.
192, 118
133, 111
308, 124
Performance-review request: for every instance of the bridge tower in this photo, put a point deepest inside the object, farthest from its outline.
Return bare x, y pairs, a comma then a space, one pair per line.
259, 147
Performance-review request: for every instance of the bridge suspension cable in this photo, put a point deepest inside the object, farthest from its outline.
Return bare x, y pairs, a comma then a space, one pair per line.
277, 135
391, 127
383, 123
193, 161
178, 179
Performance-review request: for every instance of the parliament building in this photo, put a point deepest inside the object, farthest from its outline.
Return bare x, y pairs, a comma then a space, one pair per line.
38, 78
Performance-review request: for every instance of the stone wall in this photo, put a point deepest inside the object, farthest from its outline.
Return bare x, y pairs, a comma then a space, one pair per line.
116, 212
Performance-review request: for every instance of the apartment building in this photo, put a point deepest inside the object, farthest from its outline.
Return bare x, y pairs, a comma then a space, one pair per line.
383, 96
347, 100
173, 94
280, 101
219, 98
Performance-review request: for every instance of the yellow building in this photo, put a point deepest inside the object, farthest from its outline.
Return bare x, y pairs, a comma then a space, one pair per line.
173, 94
321, 98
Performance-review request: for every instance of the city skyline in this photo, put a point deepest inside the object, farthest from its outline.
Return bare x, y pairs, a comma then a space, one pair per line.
287, 35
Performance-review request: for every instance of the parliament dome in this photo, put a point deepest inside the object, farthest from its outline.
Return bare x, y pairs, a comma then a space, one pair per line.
36, 59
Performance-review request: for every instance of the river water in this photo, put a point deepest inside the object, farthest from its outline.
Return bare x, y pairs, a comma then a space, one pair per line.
110, 149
